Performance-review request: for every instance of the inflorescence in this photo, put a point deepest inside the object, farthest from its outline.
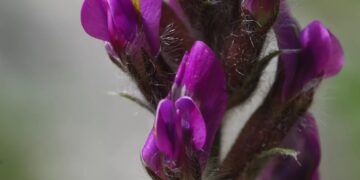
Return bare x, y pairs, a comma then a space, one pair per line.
193, 60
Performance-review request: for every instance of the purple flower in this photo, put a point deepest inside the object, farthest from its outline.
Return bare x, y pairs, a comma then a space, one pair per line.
308, 57
188, 119
303, 138
117, 21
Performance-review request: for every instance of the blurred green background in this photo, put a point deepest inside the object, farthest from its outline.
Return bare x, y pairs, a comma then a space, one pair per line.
58, 121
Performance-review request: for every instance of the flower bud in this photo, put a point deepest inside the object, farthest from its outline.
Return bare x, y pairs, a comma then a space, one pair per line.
264, 11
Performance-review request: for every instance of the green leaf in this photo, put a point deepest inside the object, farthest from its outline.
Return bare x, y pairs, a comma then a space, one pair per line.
252, 81
136, 100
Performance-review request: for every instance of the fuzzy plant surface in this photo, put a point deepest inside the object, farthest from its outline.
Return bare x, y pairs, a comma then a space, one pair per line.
194, 60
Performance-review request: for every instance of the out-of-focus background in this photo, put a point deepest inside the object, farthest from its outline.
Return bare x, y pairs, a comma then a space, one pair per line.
58, 120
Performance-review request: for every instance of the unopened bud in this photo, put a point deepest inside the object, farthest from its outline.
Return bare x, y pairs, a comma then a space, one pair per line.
263, 11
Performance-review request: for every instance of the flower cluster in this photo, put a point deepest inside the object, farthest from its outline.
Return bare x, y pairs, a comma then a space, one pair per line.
194, 59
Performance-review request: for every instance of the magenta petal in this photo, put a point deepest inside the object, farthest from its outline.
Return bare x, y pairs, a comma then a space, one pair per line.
321, 46
192, 121
304, 138
181, 70
312, 55
151, 13
204, 82
94, 19
316, 175
165, 135
150, 154
286, 29
287, 34
321, 56
338, 60
124, 18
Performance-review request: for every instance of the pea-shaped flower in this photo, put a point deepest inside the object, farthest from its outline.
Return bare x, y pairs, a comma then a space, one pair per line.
119, 21
188, 119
